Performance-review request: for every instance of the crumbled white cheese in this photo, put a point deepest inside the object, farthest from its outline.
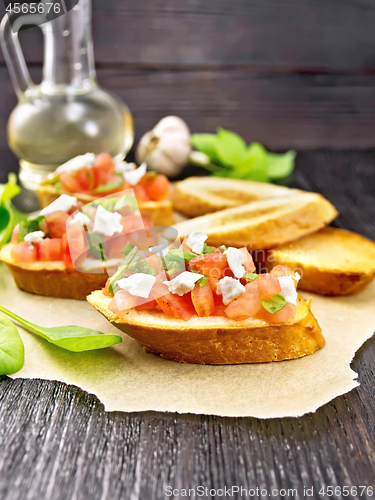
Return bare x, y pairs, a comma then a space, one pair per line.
288, 290
80, 217
138, 284
229, 288
160, 249
63, 203
107, 223
235, 259
134, 176
195, 241
297, 277
124, 166
81, 161
34, 236
183, 283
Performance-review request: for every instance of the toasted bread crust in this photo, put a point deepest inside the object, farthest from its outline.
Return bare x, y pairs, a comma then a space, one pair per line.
197, 196
52, 278
331, 262
157, 212
264, 224
217, 340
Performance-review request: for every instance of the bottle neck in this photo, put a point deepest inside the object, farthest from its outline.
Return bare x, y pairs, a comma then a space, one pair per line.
68, 52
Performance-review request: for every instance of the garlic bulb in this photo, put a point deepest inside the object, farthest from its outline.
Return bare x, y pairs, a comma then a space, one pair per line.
166, 148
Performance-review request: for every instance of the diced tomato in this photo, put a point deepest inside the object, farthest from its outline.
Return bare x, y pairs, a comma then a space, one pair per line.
203, 300
65, 251
245, 305
249, 263
268, 286
140, 193
50, 249
285, 314
184, 245
103, 161
211, 264
105, 289
85, 179
122, 301
24, 252
157, 188
76, 239
155, 262
171, 304
15, 232
69, 182
56, 224
145, 304
213, 282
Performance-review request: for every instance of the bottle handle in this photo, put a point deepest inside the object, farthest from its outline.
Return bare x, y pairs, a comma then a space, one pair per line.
13, 55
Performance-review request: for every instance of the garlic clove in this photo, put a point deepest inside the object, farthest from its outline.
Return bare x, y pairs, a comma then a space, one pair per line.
159, 162
171, 124
175, 147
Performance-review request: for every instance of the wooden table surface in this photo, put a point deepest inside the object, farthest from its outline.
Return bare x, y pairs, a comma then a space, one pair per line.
57, 442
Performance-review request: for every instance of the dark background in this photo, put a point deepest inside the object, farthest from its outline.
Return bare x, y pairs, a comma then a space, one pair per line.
290, 73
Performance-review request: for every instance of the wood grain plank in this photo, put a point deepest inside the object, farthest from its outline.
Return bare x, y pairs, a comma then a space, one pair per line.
294, 34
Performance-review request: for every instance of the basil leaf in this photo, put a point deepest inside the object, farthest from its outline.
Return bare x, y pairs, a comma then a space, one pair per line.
254, 164
251, 276
30, 225
280, 165
96, 245
130, 257
9, 215
223, 248
178, 254
51, 180
71, 337
11, 347
142, 266
206, 143
203, 281
103, 188
275, 304
207, 249
127, 249
107, 204
127, 201
230, 147
58, 186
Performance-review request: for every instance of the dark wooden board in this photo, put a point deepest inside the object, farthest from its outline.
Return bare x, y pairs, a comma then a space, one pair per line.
57, 442
300, 34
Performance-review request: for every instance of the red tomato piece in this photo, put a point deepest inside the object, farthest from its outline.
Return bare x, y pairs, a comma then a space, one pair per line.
157, 188
245, 305
56, 224
69, 182
15, 232
268, 286
285, 314
155, 262
140, 193
203, 300
105, 289
85, 179
104, 162
249, 263
145, 304
171, 304
122, 302
211, 264
50, 249
65, 251
24, 252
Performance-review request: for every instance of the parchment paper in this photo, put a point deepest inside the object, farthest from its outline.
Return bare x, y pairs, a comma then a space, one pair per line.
125, 378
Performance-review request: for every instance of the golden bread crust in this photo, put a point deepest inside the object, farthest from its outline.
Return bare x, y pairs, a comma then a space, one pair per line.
331, 262
217, 340
159, 213
53, 278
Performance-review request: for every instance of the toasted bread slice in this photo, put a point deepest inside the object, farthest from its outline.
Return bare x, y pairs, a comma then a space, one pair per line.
197, 196
159, 213
217, 340
52, 278
263, 224
330, 262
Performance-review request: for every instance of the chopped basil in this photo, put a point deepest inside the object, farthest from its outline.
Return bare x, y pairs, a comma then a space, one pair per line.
275, 304
141, 266
202, 281
103, 188
130, 257
207, 249
96, 245
51, 180
30, 225
177, 254
126, 200
223, 248
128, 248
251, 276
58, 186
108, 204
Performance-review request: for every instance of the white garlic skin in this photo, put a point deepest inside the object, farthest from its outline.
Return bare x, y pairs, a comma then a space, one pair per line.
166, 148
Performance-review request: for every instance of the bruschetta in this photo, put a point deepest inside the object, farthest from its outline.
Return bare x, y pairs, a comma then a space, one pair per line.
206, 305
89, 177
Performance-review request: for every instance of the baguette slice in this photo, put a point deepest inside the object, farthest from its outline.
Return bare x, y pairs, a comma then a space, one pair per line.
217, 340
197, 196
52, 278
159, 213
330, 262
263, 224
